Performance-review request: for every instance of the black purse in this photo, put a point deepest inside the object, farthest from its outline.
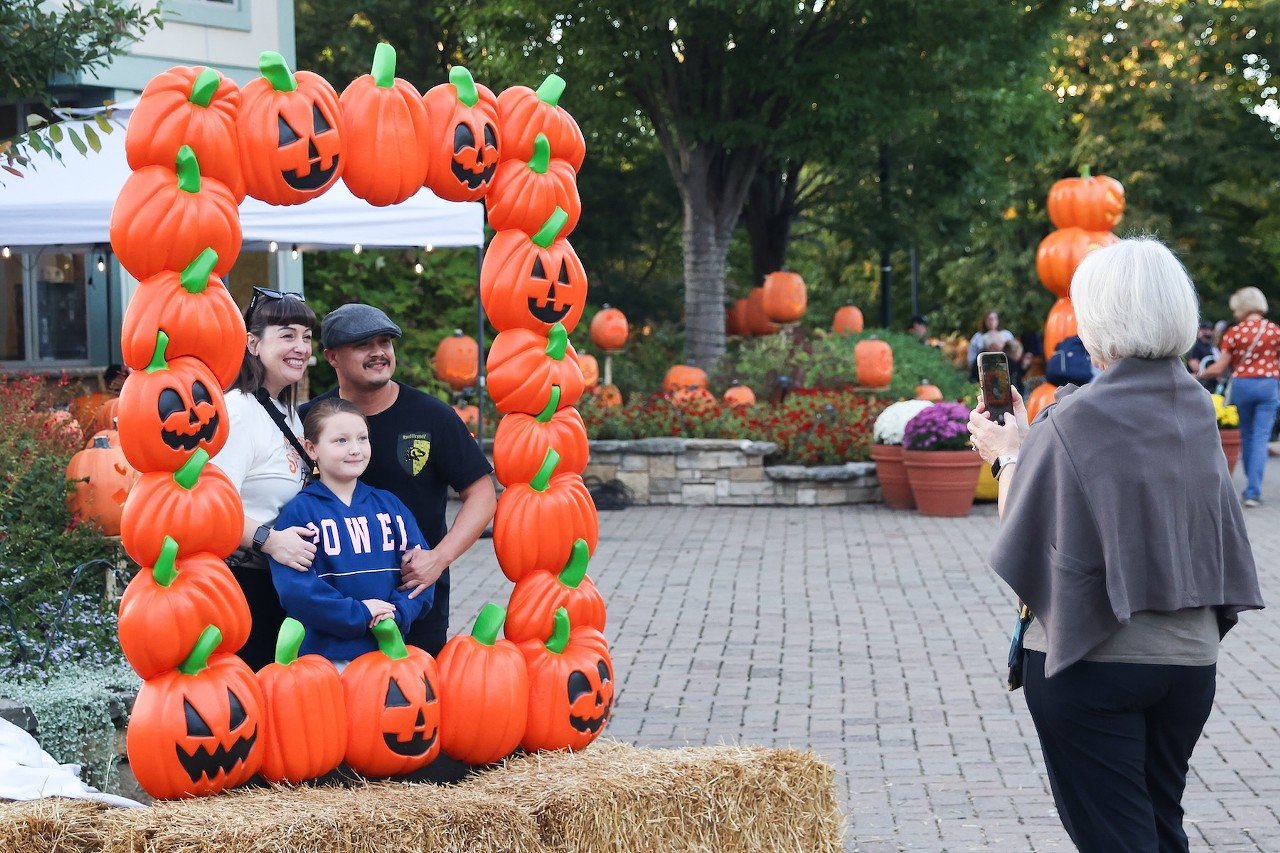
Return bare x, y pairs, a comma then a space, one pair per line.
1017, 654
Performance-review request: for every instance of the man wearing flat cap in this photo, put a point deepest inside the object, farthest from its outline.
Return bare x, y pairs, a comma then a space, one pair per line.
419, 449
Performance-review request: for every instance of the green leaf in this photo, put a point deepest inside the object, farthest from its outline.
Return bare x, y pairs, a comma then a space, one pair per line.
77, 141
91, 135
103, 124
55, 133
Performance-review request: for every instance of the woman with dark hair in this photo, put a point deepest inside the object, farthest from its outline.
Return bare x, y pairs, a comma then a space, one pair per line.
989, 338
264, 458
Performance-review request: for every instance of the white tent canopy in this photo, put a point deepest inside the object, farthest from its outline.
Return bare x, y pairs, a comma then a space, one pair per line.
69, 203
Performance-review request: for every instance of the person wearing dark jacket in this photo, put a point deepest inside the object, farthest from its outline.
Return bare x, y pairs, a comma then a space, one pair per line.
1123, 535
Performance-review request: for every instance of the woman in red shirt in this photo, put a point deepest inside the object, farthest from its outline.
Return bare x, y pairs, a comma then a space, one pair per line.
1251, 349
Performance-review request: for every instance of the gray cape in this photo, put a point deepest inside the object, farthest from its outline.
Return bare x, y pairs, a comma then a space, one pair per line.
1122, 502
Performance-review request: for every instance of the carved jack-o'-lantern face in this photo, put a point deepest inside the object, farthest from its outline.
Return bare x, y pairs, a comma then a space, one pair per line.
570, 686
409, 731
212, 749
474, 160
463, 147
533, 282
187, 421
308, 148
590, 698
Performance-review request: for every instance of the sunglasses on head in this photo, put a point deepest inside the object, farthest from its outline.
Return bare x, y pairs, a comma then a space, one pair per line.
261, 293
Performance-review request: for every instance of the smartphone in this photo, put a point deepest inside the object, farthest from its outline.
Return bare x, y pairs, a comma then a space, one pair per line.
997, 391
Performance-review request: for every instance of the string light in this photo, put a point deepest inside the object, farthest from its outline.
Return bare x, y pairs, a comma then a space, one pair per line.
357, 248
430, 248
294, 253
6, 252
102, 264
273, 246
418, 268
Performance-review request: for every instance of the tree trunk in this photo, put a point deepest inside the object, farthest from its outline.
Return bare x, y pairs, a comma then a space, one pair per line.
768, 214
705, 251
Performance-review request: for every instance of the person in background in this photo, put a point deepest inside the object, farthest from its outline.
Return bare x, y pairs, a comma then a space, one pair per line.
989, 338
1121, 658
1202, 354
919, 328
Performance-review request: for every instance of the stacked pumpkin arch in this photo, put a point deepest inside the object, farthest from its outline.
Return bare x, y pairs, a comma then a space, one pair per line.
203, 721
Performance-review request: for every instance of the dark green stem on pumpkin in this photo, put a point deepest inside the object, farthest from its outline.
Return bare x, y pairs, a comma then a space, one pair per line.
576, 569
164, 571
203, 90
560, 632
188, 170
199, 657
384, 65
551, 90
1086, 172
189, 473
465, 84
195, 278
488, 623
387, 633
549, 410
551, 228
542, 479
541, 159
157, 355
557, 342
275, 69
289, 640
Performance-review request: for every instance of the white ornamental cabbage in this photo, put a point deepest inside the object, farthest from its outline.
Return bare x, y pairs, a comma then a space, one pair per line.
893, 420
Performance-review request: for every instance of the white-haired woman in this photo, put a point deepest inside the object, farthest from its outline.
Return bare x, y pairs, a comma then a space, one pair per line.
1251, 349
1122, 534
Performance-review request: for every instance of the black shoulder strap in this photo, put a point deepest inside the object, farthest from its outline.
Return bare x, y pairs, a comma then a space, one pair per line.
264, 397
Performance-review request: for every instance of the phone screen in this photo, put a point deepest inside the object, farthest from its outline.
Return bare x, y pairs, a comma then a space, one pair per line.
997, 392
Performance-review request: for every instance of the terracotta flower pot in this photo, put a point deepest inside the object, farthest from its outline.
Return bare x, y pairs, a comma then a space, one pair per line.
1230, 446
943, 481
893, 476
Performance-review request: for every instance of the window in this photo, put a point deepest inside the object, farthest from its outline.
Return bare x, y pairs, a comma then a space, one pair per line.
44, 308
223, 14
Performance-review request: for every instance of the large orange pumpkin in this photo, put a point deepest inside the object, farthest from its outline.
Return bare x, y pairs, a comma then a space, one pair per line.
522, 441
847, 320
758, 321
525, 193
590, 369
1062, 251
102, 478
537, 523
292, 136
194, 730
683, 376
196, 313
1088, 202
462, 145
524, 113
1038, 399
304, 721
571, 685
536, 597
532, 374
197, 505
161, 222
484, 690
164, 610
1059, 325
533, 282
785, 297
873, 361
386, 122
194, 106
457, 361
609, 329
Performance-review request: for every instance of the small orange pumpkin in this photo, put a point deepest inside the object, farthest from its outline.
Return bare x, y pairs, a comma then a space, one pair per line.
1094, 203
525, 193
785, 297
695, 400
523, 113
609, 329
470, 416
1059, 325
1038, 399
304, 720
684, 376
484, 690
570, 686
102, 478
608, 396
1062, 251
927, 391
522, 441
386, 123
457, 361
538, 595
590, 369
462, 144
104, 420
85, 407
847, 320
739, 397
537, 523
197, 505
873, 361
533, 374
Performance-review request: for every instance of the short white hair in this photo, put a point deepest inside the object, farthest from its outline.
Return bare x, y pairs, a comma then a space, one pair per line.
1248, 300
1134, 299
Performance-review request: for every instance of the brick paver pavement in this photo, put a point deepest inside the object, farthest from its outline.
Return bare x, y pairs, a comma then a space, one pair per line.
877, 639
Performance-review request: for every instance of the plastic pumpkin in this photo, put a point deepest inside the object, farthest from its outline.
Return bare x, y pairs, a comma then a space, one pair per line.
741, 317
1088, 202
462, 145
1062, 251
537, 523
571, 686
165, 609
525, 193
590, 369
533, 282
484, 689
694, 400
470, 416
196, 313
785, 297
194, 106
1038, 399
538, 595
304, 720
1059, 325
521, 443
735, 324
684, 376
873, 361
457, 361
608, 396
161, 221
393, 706
193, 731
385, 121
110, 436
197, 505
523, 113
847, 320
532, 374
291, 133
85, 407
609, 329
928, 391
169, 409
102, 478
105, 418
739, 397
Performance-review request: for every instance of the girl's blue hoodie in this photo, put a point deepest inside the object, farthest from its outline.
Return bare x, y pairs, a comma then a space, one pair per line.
358, 550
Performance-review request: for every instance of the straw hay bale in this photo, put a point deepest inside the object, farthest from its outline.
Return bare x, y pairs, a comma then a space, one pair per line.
618, 797
53, 824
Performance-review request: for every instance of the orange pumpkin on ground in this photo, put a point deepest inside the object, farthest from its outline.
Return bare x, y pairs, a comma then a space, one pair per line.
386, 121
105, 419
609, 329
538, 595
739, 397
524, 113
533, 282
85, 407
521, 443
570, 687
785, 297
458, 361
525, 193
735, 321
608, 396
590, 369
537, 523
1038, 399
462, 144
692, 400
928, 391
684, 376
1062, 251
1094, 203
758, 321
304, 720
197, 505
484, 690
1059, 325
470, 416
847, 320
873, 361
529, 373
102, 478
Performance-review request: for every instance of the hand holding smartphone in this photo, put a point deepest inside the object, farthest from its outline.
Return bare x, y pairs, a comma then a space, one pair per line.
997, 389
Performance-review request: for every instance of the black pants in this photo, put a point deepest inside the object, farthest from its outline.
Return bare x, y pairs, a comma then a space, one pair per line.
430, 630
254, 578
1117, 738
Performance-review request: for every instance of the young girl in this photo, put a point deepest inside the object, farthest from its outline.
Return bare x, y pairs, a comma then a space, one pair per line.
360, 535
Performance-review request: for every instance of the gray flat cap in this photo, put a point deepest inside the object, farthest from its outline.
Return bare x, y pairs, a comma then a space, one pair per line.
355, 323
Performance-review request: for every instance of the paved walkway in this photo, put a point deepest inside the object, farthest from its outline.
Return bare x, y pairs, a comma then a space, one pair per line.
877, 639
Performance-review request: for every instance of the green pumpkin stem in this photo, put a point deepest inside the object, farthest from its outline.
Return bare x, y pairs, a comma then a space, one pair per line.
199, 657
465, 84
488, 623
541, 159
551, 90
576, 569
195, 278
549, 410
387, 633
157, 355
557, 342
164, 570
560, 632
188, 170
551, 228
384, 65
203, 90
1086, 172
275, 69
542, 479
189, 473
289, 640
